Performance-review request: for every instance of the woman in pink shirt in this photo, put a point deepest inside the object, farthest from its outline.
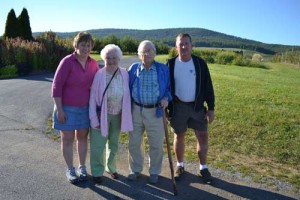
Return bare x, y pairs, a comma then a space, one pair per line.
110, 91
71, 92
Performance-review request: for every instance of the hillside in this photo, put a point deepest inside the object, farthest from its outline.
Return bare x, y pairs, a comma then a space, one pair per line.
201, 38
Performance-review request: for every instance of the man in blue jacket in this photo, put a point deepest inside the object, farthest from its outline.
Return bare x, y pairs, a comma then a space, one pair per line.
149, 83
191, 86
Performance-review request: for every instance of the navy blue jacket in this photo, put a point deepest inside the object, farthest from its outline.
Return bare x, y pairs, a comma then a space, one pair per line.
204, 88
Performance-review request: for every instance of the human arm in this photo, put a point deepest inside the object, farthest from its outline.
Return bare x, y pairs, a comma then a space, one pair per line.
61, 116
210, 116
94, 118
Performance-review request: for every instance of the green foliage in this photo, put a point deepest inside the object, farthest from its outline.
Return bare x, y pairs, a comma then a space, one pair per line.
161, 48
172, 52
55, 49
9, 71
18, 27
201, 38
97, 45
239, 60
44, 54
12, 28
225, 58
110, 39
288, 57
24, 24
129, 45
207, 55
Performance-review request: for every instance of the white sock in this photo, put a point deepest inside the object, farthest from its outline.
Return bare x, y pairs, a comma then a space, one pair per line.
203, 167
180, 164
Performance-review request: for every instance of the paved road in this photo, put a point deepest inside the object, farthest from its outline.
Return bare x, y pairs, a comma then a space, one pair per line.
31, 165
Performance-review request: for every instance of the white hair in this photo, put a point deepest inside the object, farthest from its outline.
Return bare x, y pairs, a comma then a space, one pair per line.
145, 43
111, 48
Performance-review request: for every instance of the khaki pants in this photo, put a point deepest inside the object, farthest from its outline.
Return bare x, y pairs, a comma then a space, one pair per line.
146, 120
104, 149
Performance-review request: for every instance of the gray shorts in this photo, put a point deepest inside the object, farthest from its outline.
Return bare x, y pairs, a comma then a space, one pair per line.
186, 117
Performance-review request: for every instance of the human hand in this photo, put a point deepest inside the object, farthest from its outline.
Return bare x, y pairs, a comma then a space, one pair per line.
210, 116
61, 116
164, 103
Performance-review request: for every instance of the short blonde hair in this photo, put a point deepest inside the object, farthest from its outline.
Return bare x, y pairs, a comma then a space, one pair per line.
111, 48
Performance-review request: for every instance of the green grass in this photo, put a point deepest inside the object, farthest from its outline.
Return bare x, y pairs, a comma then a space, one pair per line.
257, 126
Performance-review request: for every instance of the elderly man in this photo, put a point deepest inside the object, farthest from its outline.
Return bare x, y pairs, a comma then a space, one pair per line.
149, 84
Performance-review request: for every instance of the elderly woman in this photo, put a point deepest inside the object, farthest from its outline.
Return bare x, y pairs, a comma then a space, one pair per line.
71, 92
149, 84
110, 113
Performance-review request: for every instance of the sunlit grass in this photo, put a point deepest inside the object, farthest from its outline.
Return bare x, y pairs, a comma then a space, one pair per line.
257, 119
257, 126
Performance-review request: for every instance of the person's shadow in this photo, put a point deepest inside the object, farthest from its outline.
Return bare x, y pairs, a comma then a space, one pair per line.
124, 189
229, 190
189, 187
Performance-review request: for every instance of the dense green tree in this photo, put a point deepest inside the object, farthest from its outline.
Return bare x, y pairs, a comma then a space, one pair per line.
24, 24
161, 48
98, 45
128, 44
12, 28
110, 39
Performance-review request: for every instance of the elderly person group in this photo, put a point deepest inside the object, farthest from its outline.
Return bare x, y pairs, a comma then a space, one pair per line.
112, 100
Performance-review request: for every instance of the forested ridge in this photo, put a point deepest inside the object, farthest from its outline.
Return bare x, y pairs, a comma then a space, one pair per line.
201, 38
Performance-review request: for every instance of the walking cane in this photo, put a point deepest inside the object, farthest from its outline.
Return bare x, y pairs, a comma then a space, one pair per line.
169, 152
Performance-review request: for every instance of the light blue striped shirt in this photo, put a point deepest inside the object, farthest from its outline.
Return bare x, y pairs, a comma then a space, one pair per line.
146, 87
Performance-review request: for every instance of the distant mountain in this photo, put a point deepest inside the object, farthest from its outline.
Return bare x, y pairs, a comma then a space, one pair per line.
201, 38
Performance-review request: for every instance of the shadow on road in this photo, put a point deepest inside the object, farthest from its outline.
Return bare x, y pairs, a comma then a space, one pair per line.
190, 187
248, 192
38, 77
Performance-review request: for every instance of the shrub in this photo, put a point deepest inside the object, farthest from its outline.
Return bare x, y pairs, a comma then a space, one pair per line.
9, 71
209, 55
172, 52
225, 58
239, 60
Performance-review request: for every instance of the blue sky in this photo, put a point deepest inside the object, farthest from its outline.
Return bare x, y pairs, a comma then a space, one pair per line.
268, 21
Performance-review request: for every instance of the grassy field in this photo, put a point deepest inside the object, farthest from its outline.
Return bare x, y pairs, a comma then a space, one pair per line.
257, 126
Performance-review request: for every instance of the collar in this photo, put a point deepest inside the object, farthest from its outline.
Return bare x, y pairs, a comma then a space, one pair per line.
73, 57
152, 67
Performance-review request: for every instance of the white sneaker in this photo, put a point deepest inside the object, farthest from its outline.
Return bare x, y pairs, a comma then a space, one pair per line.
71, 175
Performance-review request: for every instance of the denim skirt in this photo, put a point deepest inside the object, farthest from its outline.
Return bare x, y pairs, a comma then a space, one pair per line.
76, 118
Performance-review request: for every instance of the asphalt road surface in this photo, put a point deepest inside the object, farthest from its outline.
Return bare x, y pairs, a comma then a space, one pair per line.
32, 167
